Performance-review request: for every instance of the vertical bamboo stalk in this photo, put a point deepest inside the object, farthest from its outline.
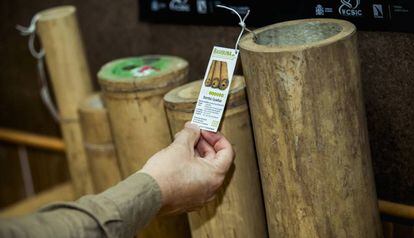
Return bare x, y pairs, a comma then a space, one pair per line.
304, 88
238, 210
98, 143
209, 79
224, 79
216, 74
68, 69
133, 89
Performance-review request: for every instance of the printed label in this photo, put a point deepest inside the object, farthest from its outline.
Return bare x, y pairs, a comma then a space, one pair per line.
215, 89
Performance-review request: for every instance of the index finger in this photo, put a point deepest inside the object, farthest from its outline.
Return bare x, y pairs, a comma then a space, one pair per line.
224, 150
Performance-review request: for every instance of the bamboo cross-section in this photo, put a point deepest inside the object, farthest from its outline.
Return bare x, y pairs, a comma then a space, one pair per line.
238, 210
133, 90
60, 36
98, 143
304, 88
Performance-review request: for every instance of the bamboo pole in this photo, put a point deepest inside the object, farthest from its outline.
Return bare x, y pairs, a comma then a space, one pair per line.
224, 79
32, 140
133, 89
238, 210
98, 143
396, 209
216, 74
304, 88
66, 62
209, 79
62, 192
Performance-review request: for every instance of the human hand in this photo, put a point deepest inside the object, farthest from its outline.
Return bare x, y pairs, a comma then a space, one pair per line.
190, 170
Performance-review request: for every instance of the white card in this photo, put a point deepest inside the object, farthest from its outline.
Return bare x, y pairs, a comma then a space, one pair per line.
215, 88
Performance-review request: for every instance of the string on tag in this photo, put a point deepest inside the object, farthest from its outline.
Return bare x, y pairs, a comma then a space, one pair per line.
39, 56
242, 23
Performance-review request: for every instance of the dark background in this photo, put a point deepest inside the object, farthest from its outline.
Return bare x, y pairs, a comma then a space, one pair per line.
111, 30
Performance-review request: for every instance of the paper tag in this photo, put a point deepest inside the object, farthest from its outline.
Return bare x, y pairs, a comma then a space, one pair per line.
215, 88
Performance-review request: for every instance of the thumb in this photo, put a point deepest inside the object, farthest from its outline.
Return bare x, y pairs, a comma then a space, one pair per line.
189, 135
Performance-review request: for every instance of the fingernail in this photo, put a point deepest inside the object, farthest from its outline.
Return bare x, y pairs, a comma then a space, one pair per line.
192, 126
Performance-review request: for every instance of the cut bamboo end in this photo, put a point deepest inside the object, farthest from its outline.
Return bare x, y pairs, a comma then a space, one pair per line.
56, 13
238, 210
184, 98
142, 74
297, 35
305, 97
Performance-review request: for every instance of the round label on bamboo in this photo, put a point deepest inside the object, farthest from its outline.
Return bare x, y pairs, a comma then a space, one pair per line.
142, 73
184, 98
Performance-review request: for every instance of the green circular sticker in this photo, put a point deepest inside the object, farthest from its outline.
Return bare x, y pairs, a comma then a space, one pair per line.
137, 67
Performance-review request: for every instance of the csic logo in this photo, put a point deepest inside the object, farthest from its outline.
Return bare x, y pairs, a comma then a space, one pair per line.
349, 8
319, 10
179, 5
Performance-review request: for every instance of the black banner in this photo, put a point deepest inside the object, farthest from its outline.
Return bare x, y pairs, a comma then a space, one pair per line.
385, 15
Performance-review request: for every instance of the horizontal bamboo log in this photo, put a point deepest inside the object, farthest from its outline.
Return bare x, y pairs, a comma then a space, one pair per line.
98, 143
133, 89
59, 34
31, 140
396, 209
238, 210
305, 97
62, 192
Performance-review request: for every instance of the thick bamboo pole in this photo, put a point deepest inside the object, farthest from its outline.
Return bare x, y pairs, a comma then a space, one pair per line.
98, 143
238, 210
62, 192
133, 89
304, 88
65, 57
32, 140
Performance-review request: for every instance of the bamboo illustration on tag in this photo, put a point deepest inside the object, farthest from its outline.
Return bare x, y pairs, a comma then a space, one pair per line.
224, 79
210, 74
217, 76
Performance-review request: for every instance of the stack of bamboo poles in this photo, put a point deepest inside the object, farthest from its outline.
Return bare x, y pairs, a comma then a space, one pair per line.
307, 112
217, 75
